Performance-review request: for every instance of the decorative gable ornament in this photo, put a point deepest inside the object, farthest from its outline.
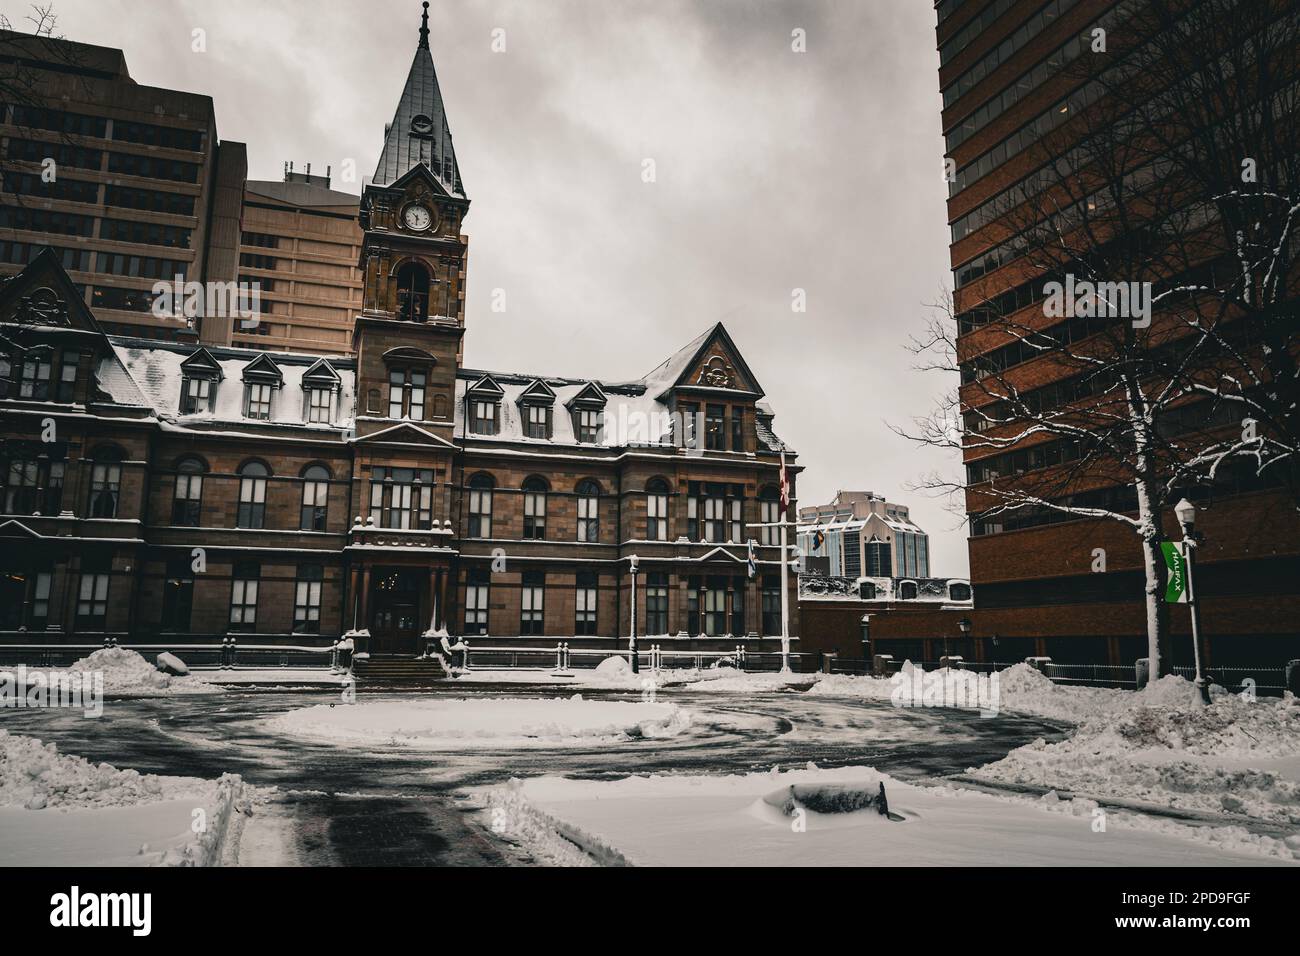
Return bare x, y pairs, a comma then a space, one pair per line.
717, 373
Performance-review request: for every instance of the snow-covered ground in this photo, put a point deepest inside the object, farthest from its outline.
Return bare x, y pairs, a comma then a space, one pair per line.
688, 820
1158, 746
495, 722
61, 810
272, 677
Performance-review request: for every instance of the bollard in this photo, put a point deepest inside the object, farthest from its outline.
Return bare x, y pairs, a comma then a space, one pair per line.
1293, 677
1142, 672
234, 652
828, 662
880, 664
559, 656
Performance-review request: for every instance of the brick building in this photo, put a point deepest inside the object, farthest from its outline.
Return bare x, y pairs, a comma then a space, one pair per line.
161, 488
1022, 83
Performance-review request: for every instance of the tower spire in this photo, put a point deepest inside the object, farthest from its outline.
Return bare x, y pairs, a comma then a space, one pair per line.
424, 28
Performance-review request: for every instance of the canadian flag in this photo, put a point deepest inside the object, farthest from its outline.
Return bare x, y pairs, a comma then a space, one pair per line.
785, 488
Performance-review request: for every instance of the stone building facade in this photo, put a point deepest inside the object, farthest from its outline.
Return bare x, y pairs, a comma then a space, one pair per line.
160, 490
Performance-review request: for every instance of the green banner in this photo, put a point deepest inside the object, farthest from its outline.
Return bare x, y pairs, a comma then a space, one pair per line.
1176, 583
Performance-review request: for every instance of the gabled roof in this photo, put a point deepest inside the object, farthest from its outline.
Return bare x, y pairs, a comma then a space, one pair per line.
321, 370
263, 367
201, 359
43, 295
419, 134
675, 370
403, 433
537, 391
486, 384
591, 394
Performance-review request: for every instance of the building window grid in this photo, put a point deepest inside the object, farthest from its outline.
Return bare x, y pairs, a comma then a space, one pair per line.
92, 599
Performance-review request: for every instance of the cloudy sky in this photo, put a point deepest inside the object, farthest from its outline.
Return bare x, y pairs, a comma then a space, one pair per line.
775, 171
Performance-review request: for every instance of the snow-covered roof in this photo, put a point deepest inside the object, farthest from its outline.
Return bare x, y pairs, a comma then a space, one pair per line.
151, 374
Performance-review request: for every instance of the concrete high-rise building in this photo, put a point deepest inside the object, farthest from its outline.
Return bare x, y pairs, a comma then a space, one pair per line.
127, 183
301, 243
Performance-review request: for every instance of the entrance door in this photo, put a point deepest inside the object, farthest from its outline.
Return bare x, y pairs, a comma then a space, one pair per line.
396, 624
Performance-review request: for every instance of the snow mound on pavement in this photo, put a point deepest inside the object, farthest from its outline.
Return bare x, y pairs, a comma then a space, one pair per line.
35, 775
1160, 746
495, 722
614, 667
127, 672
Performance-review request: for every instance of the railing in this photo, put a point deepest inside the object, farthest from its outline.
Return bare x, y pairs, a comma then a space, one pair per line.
564, 658
227, 654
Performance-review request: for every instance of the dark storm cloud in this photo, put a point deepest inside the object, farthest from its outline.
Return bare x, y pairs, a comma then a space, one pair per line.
776, 171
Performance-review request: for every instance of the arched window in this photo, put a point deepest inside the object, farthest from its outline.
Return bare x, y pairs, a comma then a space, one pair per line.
656, 510
187, 505
413, 292
769, 512
480, 506
907, 591
959, 591
105, 482
588, 510
535, 508
315, 498
252, 495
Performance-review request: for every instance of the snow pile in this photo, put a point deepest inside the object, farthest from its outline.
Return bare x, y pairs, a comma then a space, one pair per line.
61, 810
127, 673
1019, 689
34, 775
1157, 746
739, 820
495, 722
614, 667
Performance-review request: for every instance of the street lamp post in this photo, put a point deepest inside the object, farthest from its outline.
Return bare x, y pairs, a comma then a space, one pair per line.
1185, 511
964, 626
632, 562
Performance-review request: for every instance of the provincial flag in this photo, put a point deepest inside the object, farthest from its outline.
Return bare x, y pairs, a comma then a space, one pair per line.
751, 564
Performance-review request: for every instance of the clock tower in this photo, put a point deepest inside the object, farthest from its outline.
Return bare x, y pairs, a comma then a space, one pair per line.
408, 335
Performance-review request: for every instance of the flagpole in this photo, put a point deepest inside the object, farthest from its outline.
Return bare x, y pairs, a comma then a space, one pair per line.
785, 603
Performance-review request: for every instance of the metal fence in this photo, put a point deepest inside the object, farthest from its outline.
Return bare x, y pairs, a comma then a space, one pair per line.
226, 654
653, 658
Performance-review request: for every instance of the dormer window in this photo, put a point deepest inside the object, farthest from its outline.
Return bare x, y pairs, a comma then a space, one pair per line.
588, 411
197, 395
262, 378
537, 420
200, 376
483, 406
536, 403
483, 417
320, 384
258, 401
318, 405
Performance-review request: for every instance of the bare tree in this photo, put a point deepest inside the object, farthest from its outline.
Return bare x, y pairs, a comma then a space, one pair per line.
1101, 344
1228, 76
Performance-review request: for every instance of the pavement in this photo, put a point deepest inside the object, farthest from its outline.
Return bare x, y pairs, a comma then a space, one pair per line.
384, 806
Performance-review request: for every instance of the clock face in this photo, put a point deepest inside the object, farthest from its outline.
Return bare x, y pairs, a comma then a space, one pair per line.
417, 218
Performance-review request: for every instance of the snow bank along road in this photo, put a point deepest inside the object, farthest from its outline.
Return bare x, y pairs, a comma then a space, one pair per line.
393, 800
